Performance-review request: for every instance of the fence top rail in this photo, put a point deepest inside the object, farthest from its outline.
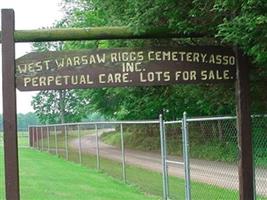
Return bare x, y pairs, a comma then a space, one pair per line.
195, 119
173, 122
209, 118
99, 123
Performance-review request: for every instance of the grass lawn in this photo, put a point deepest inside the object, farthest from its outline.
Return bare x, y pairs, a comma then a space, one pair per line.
43, 176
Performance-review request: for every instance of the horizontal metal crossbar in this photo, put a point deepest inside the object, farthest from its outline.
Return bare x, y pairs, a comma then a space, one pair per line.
146, 122
173, 122
174, 162
209, 118
218, 118
99, 122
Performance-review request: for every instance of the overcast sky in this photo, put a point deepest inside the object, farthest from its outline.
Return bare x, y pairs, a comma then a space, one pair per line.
29, 14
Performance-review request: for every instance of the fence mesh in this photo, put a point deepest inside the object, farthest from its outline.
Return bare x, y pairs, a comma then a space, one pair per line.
135, 158
214, 144
213, 158
174, 145
259, 127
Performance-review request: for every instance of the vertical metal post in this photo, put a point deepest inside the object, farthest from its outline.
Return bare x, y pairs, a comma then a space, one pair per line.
163, 158
9, 105
30, 136
42, 138
80, 144
66, 143
123, 155
33, 137
37, 137
97, 148
246, 186
166, 158
55, 130
48, 138
186, 157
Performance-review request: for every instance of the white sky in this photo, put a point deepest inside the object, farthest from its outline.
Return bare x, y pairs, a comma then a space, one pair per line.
29, 14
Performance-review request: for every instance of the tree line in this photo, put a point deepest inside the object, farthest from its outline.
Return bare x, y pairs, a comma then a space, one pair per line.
23, 121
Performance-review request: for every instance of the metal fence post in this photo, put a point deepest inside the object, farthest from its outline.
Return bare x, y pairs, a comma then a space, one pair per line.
186, 157
163, 157
48, 138
66, 143
166, 158
33, 136
55, 129
42, 139
97, 149
37, 138
123, 155
80, 144
29, 136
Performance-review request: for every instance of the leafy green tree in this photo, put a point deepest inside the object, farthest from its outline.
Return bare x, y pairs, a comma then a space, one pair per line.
209, 18
223, 22
57, 106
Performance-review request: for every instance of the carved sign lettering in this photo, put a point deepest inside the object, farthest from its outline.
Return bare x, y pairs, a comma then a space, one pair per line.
124, 67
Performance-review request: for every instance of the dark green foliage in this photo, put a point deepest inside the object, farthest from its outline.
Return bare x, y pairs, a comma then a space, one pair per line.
245, 27
226, 22
216, 18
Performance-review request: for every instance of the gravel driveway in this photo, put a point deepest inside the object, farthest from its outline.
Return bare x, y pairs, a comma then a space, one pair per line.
211, 172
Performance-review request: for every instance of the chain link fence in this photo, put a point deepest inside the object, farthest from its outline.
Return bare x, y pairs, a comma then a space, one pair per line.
130, 151
214, 144
214, 156
259, 127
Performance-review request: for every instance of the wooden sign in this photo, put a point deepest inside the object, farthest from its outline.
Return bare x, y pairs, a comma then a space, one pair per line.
124, 67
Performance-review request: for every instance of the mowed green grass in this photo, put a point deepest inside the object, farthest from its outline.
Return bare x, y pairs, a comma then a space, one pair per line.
43, 176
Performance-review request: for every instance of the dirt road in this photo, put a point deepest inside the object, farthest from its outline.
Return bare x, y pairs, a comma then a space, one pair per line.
211, 172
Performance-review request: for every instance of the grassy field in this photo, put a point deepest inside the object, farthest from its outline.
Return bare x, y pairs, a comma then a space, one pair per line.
43, 176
